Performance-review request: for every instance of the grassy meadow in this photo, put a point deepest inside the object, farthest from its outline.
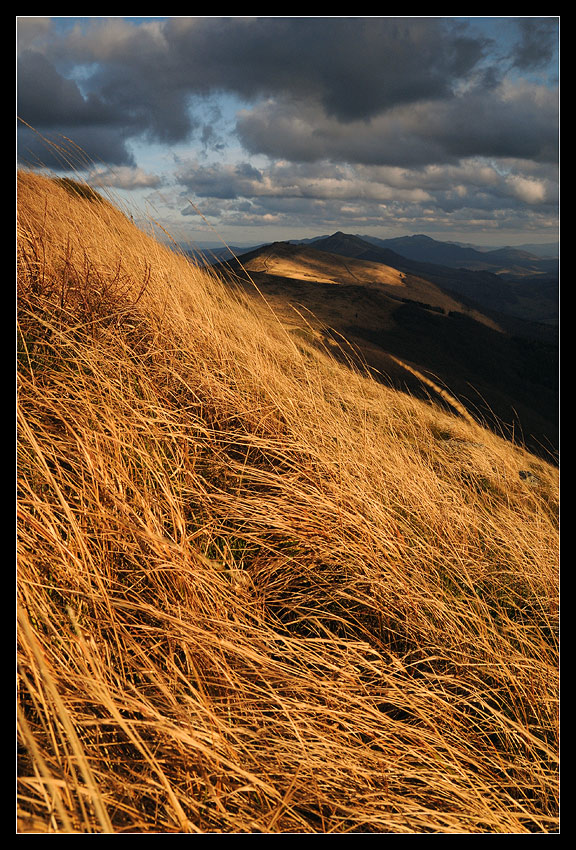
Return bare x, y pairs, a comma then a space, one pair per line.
258, 590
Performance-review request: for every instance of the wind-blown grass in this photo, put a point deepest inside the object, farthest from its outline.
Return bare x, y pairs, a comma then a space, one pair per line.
257, 590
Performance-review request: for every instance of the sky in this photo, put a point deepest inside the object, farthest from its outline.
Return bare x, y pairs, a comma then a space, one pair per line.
246, 130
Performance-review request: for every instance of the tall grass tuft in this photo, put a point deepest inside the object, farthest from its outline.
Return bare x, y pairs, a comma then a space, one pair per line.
259, 592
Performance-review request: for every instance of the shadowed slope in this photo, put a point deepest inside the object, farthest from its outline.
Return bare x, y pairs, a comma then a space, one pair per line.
532, 298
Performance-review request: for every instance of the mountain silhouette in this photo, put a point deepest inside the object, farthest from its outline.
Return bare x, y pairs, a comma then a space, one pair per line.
507, 260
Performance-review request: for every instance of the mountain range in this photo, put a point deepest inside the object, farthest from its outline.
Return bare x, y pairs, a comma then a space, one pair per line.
510, 280
491, 340
529, 259
506, 260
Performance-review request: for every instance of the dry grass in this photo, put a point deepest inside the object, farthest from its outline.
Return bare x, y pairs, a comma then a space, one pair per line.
258, 591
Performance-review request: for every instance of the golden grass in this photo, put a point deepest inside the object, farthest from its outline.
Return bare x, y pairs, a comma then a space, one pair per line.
258, 591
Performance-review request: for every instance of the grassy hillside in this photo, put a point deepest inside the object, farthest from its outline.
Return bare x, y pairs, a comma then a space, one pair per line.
257, 590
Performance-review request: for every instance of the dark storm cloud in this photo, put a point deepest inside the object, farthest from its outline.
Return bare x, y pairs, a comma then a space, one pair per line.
373, 89
46, 99
57, 110
67, 87
352, 68
507, 121
537, 43
73, 148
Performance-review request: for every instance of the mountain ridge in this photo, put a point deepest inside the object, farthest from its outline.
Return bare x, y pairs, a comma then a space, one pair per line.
519, 292
525, 259
486, 289
499, 260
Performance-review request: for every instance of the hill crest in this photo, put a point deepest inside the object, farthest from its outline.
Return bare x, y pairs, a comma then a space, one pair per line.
391, 315
332, 261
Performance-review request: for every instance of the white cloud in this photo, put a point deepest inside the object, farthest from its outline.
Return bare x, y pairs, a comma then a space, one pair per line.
125, 177
527, 189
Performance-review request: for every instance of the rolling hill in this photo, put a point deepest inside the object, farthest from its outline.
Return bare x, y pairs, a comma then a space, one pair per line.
297, 262
498, 367
510, 282
532, 298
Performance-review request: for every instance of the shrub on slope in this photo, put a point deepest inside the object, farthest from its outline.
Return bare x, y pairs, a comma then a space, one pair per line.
258, 591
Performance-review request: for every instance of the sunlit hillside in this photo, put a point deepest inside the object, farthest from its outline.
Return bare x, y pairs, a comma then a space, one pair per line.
304, 262
258, 591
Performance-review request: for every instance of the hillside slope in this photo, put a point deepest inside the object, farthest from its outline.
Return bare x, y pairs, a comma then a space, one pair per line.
489, 363
304, 263
259, 592
485, 289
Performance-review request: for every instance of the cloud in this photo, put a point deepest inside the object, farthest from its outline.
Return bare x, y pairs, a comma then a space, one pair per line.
73, 147
372, 90
537, 43
351, 69
290, 119
66, 86
319, 216
304, 193
46, 99
64, 120
283, 180
124, 178
517, 121
32, 31
528, 190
